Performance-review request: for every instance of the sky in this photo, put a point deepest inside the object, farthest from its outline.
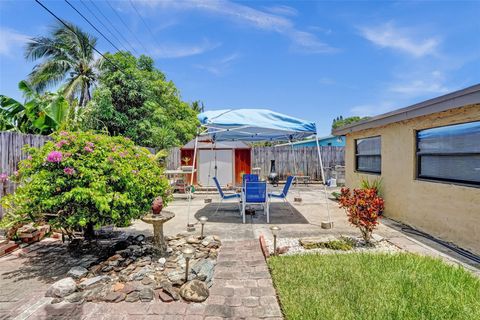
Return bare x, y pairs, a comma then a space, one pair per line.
313, 60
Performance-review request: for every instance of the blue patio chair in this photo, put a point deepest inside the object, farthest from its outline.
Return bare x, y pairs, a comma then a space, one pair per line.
255, 193
224, 196
284, 193
249, 178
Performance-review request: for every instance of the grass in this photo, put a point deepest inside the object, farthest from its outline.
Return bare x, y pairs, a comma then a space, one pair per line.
373, 286
343, 244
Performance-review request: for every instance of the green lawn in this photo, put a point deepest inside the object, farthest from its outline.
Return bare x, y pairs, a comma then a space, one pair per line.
373, 286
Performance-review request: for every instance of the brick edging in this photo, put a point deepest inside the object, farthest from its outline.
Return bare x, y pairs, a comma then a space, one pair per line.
263, 247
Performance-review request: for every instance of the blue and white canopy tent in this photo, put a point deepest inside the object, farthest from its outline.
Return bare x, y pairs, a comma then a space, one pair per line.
254, 125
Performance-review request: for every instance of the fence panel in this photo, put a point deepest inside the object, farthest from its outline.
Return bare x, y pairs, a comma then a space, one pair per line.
299, 161
11, 153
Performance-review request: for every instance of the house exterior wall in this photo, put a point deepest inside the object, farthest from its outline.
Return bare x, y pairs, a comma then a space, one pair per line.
448, 211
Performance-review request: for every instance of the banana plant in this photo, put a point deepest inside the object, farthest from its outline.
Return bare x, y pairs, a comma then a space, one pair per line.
40, 114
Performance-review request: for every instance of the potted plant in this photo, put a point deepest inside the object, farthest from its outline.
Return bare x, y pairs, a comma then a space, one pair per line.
186, 166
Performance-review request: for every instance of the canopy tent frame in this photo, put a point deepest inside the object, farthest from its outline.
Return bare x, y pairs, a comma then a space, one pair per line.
216, 131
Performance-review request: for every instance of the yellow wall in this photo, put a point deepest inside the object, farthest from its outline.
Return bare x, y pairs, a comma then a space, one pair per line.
448, 211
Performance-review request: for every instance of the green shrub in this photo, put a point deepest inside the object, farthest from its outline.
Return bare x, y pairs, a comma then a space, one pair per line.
81, 180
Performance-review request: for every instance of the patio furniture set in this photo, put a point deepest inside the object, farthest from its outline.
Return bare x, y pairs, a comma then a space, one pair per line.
254, 192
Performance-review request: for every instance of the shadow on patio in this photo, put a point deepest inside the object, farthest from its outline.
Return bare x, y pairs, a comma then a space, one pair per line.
280, 213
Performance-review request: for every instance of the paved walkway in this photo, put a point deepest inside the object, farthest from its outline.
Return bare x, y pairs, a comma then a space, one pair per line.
242, 289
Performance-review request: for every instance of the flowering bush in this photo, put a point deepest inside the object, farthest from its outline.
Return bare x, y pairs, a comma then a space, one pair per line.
82, 180
363, 208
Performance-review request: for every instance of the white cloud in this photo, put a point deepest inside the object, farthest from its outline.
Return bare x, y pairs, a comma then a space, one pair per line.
388, 35
181, 50
421, 84
373, 109
11, 40
282, 10
218, 67
303, 40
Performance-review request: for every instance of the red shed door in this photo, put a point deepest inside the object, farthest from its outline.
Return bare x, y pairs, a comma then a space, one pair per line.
242, 164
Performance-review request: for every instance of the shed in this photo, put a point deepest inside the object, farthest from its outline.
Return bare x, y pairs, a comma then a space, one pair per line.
226, 160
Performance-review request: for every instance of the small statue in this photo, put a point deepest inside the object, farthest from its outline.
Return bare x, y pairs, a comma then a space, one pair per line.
157, 205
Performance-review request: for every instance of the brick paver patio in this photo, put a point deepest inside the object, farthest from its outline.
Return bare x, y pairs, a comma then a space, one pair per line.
242, 289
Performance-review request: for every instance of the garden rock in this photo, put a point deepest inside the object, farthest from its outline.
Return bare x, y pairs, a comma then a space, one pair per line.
168, 289
133, 296
204, 270
62, 288
92, 282
77, 272
162, 295
146, 294
195, 291
76, 297
114, 297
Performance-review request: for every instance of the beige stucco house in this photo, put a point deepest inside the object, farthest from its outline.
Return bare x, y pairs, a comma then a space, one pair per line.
428, 156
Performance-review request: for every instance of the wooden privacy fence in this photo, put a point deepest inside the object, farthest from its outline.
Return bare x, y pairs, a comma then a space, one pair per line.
11, 152
306, 160
301, 161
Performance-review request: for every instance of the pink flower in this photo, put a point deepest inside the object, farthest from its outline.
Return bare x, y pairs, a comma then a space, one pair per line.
3, 177
110, 159
61, 143
122, 154
63, 133
69, 171
55, 157
29, 157
90, 144
88, 149
135, 172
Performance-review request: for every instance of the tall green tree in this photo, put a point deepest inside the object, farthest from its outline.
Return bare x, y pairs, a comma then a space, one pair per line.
140, 103
67, 58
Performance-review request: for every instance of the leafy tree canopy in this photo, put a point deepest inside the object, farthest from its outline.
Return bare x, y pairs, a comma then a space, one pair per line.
340, 121
135, 100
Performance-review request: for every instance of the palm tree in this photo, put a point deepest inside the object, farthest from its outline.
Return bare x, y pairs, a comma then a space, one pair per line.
68, 57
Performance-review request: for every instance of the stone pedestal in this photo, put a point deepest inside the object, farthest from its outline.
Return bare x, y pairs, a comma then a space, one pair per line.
157, 220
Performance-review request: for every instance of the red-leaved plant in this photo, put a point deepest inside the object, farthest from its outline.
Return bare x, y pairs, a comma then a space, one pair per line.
363, 208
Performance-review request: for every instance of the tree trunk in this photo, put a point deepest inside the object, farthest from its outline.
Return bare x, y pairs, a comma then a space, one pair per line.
88, 232
82, 97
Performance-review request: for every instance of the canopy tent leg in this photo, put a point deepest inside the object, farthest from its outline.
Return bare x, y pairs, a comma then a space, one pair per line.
191, 226
208, 199
295, 170
326, 224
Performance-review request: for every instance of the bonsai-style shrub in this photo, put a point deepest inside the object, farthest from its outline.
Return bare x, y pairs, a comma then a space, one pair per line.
363, 208
81, 180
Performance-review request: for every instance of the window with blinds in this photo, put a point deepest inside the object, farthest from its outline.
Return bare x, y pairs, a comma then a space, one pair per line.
450, 153
368, 155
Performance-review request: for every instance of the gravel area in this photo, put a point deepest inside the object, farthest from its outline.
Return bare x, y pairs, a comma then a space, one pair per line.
294, 247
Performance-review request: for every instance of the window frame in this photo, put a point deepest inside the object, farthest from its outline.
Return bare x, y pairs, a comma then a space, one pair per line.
437, 179
357, 156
